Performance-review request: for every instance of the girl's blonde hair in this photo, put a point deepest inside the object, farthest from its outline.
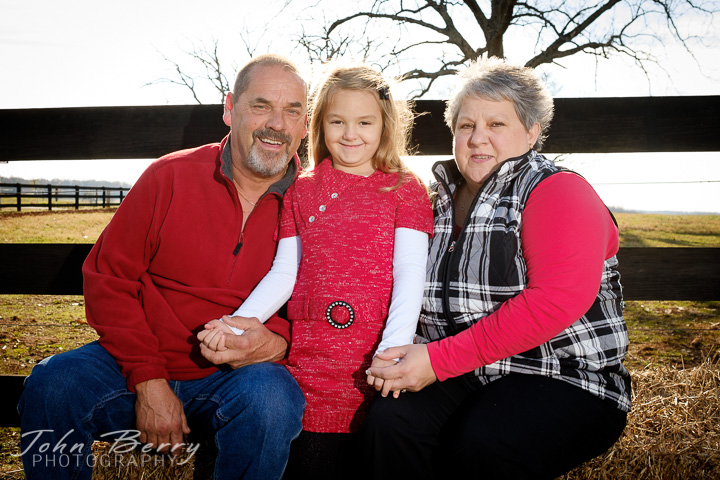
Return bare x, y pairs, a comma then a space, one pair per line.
397, 116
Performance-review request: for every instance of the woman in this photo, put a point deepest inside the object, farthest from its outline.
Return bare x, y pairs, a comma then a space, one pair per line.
520, 373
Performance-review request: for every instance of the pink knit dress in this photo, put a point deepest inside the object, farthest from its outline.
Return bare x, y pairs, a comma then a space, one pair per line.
340, 302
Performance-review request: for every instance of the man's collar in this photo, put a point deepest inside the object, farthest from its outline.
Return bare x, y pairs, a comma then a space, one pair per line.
278, 187
226, 160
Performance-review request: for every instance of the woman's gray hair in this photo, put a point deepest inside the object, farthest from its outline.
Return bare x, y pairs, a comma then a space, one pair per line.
492, 78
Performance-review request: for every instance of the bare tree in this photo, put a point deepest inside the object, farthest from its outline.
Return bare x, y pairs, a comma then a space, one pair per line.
212, 71
424, 41
441, 35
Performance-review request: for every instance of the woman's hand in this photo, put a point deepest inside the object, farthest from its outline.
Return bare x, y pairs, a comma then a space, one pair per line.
413, 372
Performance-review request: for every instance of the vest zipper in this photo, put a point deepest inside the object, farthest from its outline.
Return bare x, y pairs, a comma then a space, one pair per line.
445, 300
452, 325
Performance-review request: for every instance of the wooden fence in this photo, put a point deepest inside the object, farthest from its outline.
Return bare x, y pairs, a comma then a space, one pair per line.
581, 125
58, 196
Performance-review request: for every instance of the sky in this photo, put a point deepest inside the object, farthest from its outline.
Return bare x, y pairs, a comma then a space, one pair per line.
98, 53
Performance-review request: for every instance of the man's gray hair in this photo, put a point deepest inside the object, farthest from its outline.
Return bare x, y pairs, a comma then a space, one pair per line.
242, 80
492, 78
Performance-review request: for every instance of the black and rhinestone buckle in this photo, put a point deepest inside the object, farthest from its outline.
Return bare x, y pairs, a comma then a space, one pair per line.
339, 303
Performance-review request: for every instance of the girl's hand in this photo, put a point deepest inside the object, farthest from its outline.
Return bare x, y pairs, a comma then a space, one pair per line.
413, 372
383, 386
214, 339
213, 336
218, 324
257, 344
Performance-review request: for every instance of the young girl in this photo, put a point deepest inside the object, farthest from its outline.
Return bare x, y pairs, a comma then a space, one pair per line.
353, 244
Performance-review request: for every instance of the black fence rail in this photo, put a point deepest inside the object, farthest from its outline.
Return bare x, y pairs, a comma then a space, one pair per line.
19, 195
581, 125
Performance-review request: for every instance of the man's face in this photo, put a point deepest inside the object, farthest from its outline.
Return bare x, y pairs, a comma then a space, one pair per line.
267, 121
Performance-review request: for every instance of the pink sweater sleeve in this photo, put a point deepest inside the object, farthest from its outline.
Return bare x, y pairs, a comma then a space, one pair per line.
566, 235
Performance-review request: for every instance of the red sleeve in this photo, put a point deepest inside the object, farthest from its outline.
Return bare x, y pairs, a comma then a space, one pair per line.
567, 233
288, 226
112, 275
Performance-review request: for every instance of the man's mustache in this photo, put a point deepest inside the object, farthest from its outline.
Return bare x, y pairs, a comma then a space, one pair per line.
272, 135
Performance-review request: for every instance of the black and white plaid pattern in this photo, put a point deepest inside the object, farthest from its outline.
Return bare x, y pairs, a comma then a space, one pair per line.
471, 277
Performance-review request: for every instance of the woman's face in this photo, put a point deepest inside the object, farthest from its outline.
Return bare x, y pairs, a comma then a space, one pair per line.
486, 134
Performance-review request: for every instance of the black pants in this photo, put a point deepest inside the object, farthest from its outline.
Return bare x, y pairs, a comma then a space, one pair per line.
518, 427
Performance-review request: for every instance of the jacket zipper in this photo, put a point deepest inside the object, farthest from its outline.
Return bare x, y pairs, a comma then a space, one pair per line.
239, 245
237, 248
241, 238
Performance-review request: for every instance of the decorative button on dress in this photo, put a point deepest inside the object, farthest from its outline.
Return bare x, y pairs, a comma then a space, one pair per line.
339, 305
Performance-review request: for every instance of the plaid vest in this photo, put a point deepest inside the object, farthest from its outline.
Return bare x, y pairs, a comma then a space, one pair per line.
472, 276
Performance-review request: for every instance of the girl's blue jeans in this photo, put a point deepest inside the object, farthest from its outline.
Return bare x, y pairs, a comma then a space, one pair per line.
73, 398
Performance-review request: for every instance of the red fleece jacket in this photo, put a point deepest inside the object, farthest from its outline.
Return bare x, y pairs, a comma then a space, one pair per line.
170, 261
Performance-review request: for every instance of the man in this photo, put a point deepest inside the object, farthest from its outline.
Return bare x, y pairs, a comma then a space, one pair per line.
194, 236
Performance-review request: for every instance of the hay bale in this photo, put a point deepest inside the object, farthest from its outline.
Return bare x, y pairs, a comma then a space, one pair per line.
673, 433
673, 430
136, 465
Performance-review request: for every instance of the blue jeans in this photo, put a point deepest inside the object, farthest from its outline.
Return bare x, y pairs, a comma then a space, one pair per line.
71, 399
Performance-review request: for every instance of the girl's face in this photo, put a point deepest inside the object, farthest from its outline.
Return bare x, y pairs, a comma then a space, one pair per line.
353, 126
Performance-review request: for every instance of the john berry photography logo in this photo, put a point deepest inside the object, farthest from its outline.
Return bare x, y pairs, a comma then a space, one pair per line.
78, 454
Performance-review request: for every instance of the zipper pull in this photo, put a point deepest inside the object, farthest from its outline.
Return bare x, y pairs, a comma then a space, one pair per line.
452, 247
239, 244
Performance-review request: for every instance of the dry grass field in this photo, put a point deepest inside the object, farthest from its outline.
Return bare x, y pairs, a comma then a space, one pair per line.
669, 340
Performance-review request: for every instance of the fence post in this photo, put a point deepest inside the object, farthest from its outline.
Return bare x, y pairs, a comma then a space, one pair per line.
103, 196
122, 195
49, 189
19, 197
77, 197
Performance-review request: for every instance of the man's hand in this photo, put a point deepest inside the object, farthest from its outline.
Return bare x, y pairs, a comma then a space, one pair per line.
257, 344
159, 416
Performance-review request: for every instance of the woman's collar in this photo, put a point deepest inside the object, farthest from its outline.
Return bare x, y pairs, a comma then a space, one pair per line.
447, 170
